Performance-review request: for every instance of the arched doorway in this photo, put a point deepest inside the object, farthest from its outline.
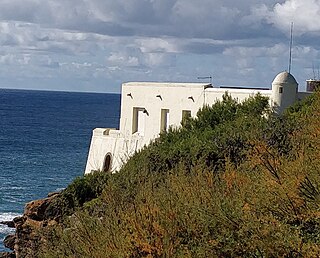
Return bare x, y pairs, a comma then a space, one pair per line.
107, 163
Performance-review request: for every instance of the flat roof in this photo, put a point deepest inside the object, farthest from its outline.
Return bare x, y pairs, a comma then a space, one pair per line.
313, 80
168, 84
240, 90
243, 87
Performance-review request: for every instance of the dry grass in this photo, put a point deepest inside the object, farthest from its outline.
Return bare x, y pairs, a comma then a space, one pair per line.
267, 205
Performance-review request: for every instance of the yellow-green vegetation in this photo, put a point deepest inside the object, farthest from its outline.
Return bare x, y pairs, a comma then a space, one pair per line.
236, 181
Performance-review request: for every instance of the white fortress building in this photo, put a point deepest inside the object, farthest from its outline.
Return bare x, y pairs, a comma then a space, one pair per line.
148, 108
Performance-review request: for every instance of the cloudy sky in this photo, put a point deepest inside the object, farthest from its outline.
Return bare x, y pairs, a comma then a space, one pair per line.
95, 45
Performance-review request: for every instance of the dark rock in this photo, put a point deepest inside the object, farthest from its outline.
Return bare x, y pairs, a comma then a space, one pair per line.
9, 241
10, 223
27, 239
35, 210
35, 218
7, 255
18, 220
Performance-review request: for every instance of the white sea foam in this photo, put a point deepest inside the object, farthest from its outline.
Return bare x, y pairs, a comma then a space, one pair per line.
7, 216
6, 230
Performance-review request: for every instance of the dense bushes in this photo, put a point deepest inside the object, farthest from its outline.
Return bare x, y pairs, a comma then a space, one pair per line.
229, 183
81, 190
225, 129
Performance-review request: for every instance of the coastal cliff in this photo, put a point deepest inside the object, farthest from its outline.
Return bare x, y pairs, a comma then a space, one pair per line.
42, 216
25, 242
234, 182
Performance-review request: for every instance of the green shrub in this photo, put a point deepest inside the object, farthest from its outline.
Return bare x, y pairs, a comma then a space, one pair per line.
80, 191
262, 200
223, 130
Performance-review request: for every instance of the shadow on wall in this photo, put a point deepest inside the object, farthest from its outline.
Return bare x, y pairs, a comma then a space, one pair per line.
107, 163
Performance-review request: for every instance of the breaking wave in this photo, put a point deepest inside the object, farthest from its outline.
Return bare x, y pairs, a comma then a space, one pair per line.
7, 216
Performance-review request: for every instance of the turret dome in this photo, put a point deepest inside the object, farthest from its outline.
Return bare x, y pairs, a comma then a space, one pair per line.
284, 78
284, 91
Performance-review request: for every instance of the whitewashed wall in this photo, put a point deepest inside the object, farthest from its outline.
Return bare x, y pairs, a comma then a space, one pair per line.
150, 98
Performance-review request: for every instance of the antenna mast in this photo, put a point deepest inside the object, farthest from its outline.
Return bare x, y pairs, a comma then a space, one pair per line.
314, 73
290, 52
205, 77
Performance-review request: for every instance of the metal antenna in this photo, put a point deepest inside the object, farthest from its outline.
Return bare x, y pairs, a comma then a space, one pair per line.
205, 77
290, 52
314, 72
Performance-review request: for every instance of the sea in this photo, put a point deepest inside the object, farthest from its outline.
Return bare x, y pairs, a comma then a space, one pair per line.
44, 143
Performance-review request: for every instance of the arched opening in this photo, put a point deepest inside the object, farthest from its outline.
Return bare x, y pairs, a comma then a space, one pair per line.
107, 163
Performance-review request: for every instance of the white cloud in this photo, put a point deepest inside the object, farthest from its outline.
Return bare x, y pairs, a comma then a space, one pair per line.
160, 60
254, 52
156, 45
124, 60
304, 14
97, 40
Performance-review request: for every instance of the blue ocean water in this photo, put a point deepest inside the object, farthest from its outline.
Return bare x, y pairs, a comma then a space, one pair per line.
44, 142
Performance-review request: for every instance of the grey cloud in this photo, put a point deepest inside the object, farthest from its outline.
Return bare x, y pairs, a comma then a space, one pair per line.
25, 11
311, 39
8, 40
45, 38
137, 38
204, 19
99, 27
178, 18
53, 65
134, 58
202, 48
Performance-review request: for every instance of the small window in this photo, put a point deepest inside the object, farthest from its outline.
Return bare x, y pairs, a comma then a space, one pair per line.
107, 163
138, 120
164, 122
280, 90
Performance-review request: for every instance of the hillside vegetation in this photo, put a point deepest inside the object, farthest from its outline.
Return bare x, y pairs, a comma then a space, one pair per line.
236, 181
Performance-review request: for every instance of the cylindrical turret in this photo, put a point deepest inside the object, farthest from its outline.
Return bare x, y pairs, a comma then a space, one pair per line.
284, 91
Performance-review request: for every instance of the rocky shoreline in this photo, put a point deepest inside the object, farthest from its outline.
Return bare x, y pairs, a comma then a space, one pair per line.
24, 242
